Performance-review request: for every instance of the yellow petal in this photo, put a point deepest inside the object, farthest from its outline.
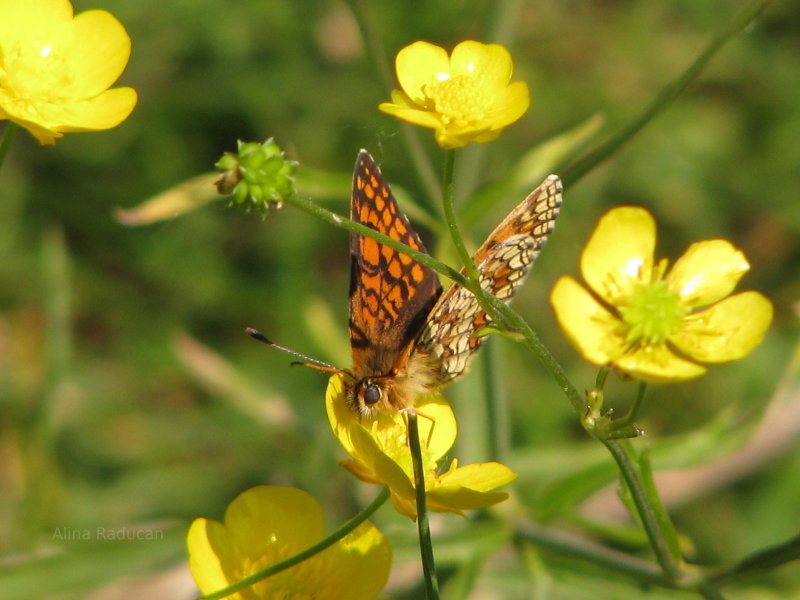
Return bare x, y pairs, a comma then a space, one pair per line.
105, 111
457, 500
415, 116
489, 136
657, 364
620, 252
512, 103
707, 272
359, 565
266, 525
43, 134
491, 61
728, 330
100, 54
419, 64
383, 467
207, 541
266, 516
469, 487
590, 327
450, 139
372, 463
437, 425
481, 477
405, 506
338, 413
362, 472
24, 20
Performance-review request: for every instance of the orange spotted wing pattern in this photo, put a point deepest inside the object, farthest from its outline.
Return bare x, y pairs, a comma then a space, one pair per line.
407, 336
390, 294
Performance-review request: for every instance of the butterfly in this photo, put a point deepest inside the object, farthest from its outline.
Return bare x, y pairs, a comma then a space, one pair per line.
408, 336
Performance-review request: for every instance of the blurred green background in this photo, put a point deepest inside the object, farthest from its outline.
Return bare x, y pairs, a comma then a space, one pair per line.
131, 398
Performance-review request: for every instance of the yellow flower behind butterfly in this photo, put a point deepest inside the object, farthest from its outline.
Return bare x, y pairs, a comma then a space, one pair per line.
268, 524
652, 323
55, 70
379, 453
465, 97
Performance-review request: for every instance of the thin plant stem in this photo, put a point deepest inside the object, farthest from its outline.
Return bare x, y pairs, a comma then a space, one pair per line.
341, 222
497, 414
666, 97
337, 535
5, 141
416, 151
624, 426
450, 217
423, 526
569, 544
651, 521
665, 525
760, 561
709, 592
643, 571
602, 376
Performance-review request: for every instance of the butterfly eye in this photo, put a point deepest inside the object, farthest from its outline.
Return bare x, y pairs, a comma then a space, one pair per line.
372, 394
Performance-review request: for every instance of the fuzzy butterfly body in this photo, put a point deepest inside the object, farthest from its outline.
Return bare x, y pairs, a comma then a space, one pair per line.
407, 336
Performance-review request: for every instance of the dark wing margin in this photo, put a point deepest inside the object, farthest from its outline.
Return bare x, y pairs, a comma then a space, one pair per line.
390, 293
503, 262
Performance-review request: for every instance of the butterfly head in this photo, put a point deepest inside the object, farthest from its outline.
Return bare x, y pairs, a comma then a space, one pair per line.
368, 394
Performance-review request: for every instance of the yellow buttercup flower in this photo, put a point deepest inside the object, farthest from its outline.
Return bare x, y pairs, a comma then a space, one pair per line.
55, 70
379, 452
654, 324
266, 525
465, 97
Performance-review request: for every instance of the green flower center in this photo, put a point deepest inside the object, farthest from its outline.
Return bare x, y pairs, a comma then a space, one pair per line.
461, 100
652, 313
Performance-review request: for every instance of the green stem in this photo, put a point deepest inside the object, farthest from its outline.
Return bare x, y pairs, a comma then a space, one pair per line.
571, 545
761, 561
666, 97
512, 320
337, 535
643, 571
498, 430
341, 222
624, 426
450, 217
651, 512
5, 141
709, 592
374, 48
423, 527
665, 525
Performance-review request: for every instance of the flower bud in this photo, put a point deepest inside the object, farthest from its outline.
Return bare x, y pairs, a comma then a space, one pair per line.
257, 177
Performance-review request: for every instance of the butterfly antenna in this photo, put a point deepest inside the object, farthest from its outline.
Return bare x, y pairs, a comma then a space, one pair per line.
307, 361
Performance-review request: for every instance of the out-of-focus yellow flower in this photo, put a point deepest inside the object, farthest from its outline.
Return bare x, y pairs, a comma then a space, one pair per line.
653, 324
55, 70
266, 525
379, 452
465, 97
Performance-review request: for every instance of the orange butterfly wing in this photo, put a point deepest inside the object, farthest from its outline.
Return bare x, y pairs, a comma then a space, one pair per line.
390, 293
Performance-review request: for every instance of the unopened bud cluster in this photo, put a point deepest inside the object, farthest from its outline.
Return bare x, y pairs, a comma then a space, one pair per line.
257, 176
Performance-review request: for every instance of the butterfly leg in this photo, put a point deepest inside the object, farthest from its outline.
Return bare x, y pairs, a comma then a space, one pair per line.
419, 413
